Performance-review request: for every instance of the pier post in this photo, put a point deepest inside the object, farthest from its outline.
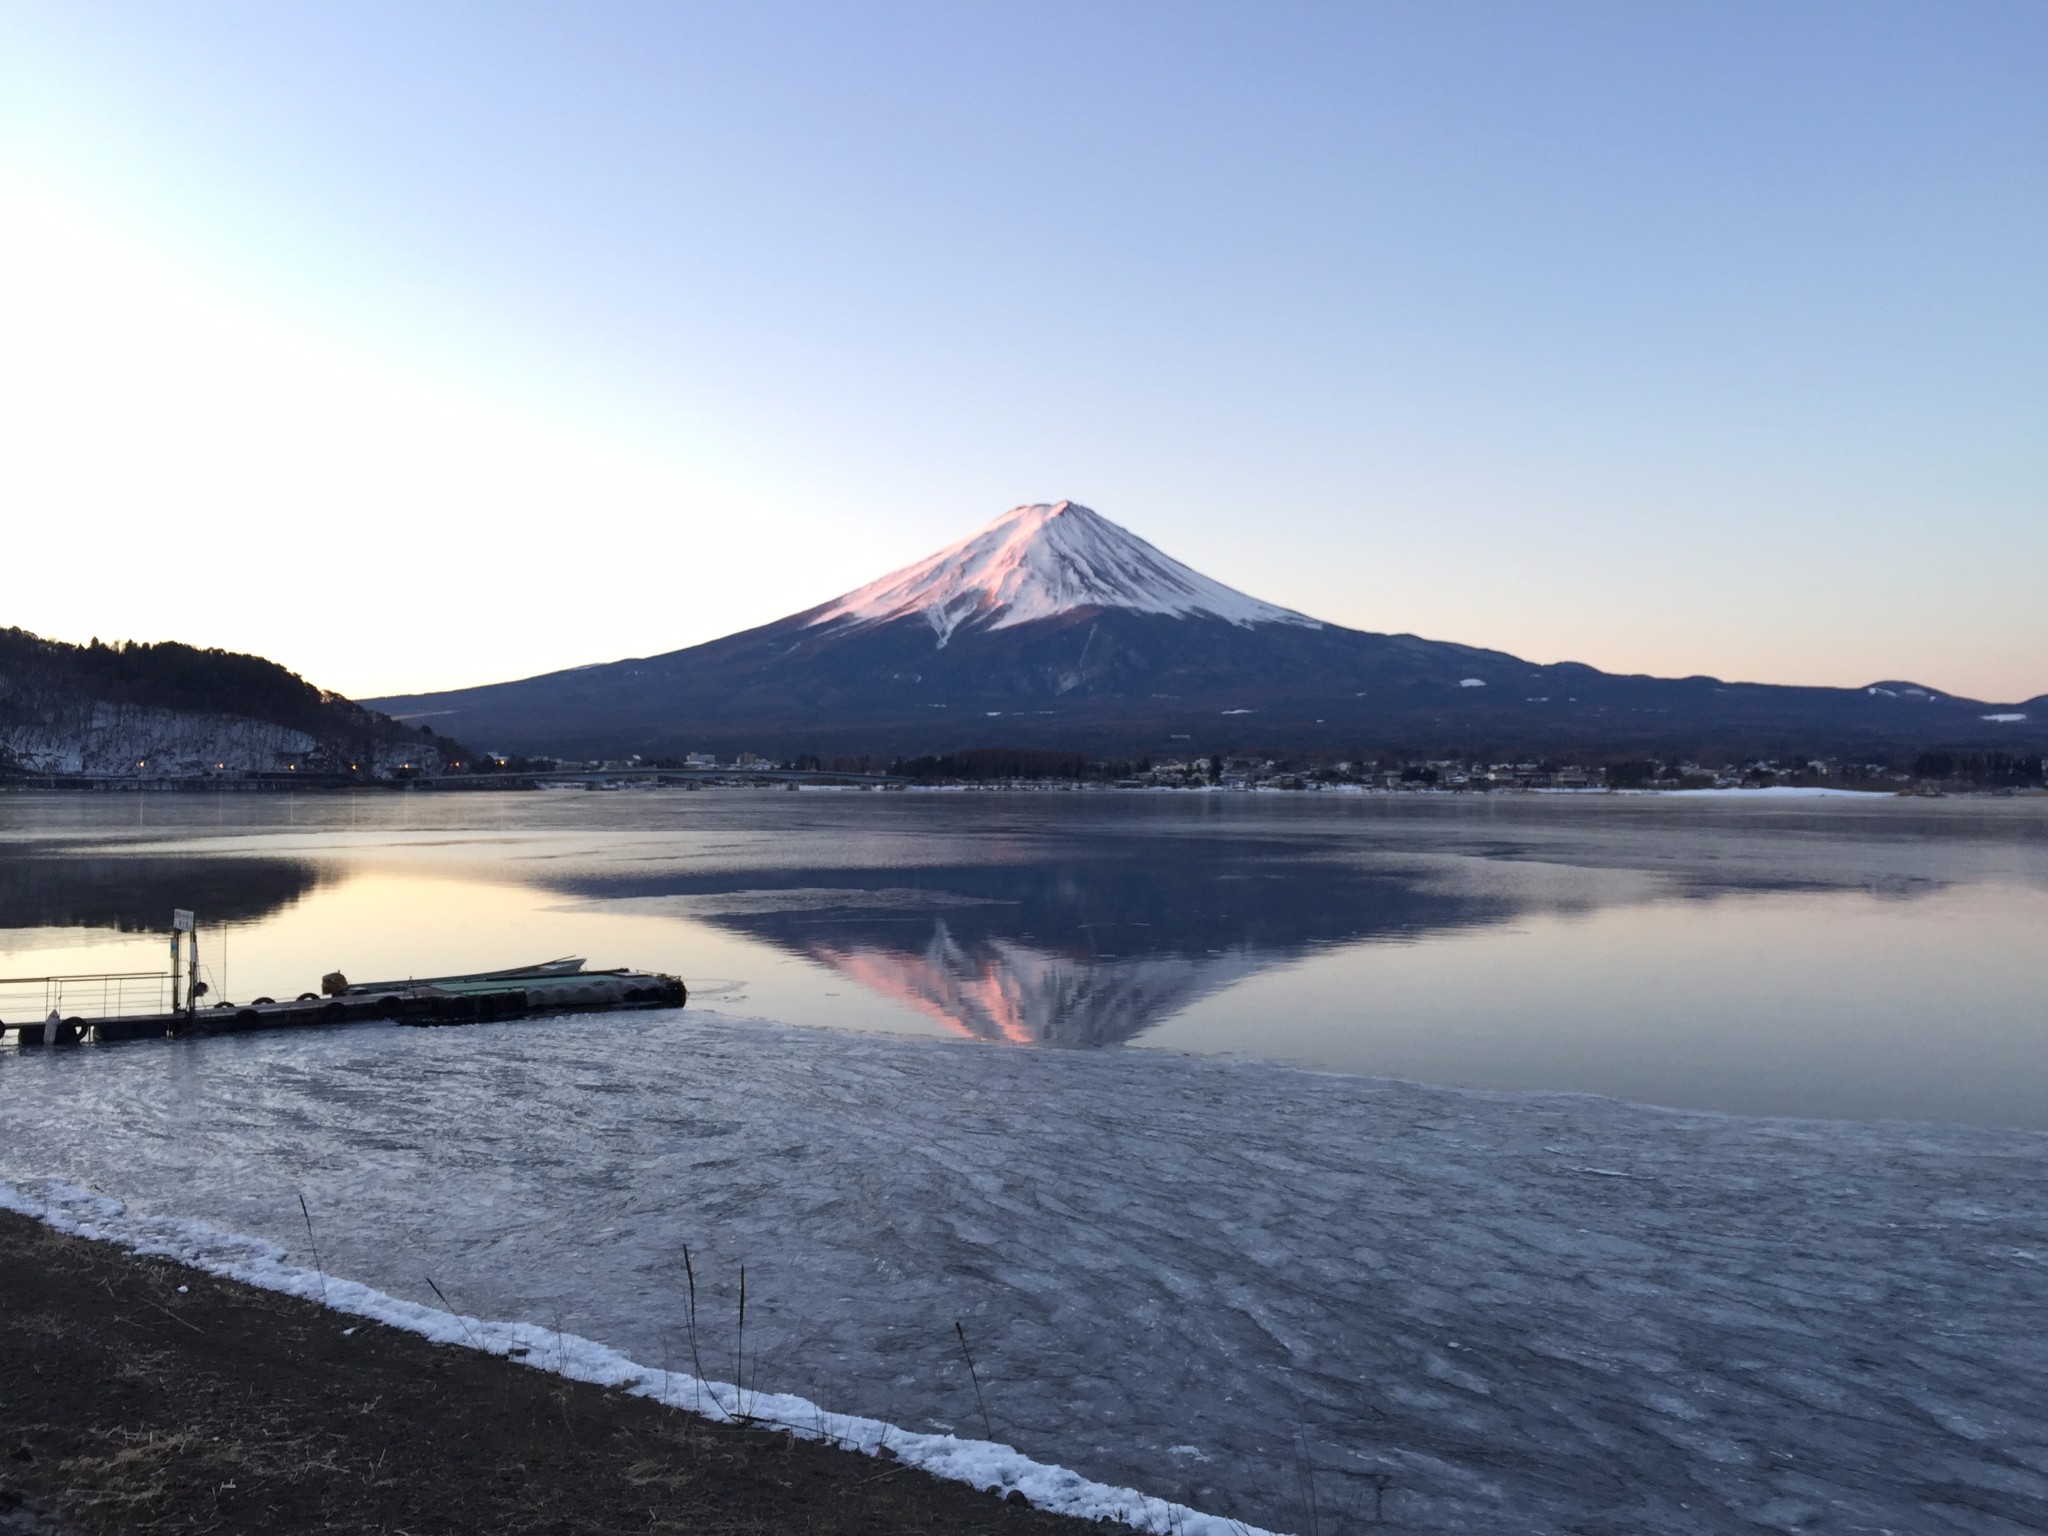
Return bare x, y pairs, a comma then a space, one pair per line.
182, 922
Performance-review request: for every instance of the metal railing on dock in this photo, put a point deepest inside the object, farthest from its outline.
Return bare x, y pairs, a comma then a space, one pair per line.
102, 995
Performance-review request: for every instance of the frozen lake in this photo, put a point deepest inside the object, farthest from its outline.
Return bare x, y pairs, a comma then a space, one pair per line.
1187, 1276
1856, 960
1252, 1287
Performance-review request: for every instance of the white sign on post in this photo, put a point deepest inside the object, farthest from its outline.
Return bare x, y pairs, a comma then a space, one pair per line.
181, 921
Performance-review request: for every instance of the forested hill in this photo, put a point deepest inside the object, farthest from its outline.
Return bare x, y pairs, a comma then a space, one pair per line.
168, 710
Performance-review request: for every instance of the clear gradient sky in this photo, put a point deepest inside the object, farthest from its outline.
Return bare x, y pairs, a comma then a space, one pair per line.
420, 345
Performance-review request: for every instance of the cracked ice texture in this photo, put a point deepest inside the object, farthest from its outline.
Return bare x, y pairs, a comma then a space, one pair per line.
1538, 1314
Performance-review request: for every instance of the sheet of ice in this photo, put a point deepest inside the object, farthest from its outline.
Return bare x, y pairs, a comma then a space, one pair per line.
982, 1463
1224, 1284
1777, 792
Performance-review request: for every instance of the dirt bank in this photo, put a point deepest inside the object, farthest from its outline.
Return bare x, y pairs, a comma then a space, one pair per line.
137, 1395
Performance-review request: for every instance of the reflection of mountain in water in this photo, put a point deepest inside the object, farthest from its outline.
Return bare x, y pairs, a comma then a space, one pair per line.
136, 894
997, 989
1078, 951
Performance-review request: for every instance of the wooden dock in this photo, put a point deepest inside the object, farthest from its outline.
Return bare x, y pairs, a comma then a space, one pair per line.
560, 987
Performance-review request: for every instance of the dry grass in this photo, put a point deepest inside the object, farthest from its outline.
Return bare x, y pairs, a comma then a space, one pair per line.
130, 1406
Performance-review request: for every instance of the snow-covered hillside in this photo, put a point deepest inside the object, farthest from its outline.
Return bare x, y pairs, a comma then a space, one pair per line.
165, 710
97, 738
1038, 561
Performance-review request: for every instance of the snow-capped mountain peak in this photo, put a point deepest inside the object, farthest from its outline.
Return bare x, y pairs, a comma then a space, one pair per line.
1038, 561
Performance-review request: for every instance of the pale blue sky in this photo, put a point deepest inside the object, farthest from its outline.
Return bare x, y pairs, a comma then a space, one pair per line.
1674, 338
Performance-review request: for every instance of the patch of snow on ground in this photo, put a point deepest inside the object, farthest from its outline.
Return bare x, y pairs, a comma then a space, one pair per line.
1782, 792
982, 1463
2007, 719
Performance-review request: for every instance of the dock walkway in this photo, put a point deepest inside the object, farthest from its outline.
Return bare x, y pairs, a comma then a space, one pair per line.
559, 988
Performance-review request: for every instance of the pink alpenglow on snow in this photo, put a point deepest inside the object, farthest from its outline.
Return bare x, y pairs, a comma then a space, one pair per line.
1038, 561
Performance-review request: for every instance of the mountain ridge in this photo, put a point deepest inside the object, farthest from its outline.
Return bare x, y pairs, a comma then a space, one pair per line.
1053, 626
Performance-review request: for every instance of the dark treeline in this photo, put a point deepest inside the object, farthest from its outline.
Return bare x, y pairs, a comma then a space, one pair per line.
1989, 769
37, 674
862, 762
1481, 769
171, 675
982, 764
1971, 770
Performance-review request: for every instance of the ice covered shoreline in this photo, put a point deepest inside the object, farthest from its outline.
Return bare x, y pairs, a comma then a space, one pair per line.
999, 1469
1538, 1312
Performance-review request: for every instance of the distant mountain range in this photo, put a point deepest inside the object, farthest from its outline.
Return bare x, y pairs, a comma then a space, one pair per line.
171, 711
1054, 627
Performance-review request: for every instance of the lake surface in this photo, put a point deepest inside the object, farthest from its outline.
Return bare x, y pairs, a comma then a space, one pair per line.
983, 1058
1883, 959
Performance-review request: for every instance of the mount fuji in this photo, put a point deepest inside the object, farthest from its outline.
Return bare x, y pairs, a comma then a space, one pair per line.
1039, 562
1054, 627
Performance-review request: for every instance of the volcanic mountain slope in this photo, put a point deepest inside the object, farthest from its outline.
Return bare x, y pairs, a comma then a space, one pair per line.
1052, 626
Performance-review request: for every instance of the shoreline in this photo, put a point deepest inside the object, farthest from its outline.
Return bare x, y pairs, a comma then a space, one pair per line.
1704, 1254
146, 1394
285, 1314
827, 784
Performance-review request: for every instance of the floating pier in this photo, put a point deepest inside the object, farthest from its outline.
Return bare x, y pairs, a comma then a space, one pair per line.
553, 988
